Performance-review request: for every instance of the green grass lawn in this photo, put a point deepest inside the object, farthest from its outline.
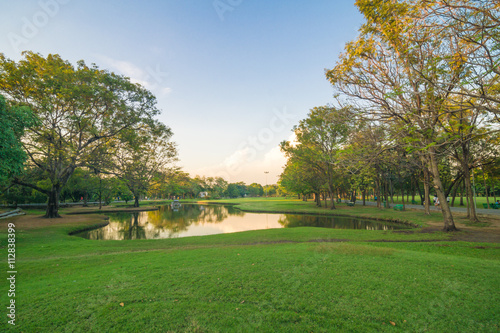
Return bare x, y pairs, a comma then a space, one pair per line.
277, 280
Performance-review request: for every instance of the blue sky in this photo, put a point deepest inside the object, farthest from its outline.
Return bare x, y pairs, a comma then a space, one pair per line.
232, 77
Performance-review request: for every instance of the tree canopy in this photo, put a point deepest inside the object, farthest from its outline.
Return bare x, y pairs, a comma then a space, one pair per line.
416, 67
79, 109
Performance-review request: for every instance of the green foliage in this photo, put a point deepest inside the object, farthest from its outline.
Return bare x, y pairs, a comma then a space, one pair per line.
255, 190
236, 190
142, 156
271, 190
215, 186
313, 164
12, 156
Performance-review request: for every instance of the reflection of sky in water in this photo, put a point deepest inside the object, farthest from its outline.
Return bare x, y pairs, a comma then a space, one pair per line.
233, 224
199, 220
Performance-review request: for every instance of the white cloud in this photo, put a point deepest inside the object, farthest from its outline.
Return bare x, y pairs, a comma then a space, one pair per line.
274, 156
166, 91
149, 78
257, 154
244, 165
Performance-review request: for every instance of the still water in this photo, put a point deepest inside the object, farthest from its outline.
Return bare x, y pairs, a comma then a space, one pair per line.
199, 220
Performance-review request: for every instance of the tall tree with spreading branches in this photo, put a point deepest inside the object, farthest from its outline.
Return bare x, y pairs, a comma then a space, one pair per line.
79, 108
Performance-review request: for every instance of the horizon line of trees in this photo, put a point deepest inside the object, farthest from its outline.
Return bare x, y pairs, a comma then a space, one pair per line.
85, 186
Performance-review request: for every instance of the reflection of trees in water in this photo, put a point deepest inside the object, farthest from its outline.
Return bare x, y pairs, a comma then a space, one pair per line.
121, 226
337, 222
234, 211
134, 230
151, 224
119, 217
188, 214
168, 220
180, 219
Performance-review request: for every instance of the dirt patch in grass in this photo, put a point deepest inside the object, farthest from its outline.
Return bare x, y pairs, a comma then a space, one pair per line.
487, 230
474, 235
26, 222
406, 232
69, 216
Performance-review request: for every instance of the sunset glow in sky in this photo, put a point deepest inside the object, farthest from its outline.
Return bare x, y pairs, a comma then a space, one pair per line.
232, 77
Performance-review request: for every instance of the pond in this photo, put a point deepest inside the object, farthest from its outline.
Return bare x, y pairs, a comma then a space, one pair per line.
199, 220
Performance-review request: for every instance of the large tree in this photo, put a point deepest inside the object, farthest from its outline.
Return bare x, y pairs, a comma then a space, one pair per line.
141, 156
302, 178
79, 108
321, 136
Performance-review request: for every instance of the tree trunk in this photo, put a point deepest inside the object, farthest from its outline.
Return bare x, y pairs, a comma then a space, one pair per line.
136, 201
317, 198
403, 197
386, 196
454, 195
53, 203
449, 224
486, 190
427, 200
470, 195
332, 197
464, 163
377, 191
462, 194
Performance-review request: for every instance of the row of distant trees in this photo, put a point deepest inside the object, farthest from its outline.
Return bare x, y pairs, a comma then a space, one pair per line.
417, 102
85, 186
179, 184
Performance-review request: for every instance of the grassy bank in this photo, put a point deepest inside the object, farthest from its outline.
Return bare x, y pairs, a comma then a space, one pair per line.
278, 280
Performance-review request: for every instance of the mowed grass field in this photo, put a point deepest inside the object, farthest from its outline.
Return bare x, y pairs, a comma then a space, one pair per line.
276, 280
